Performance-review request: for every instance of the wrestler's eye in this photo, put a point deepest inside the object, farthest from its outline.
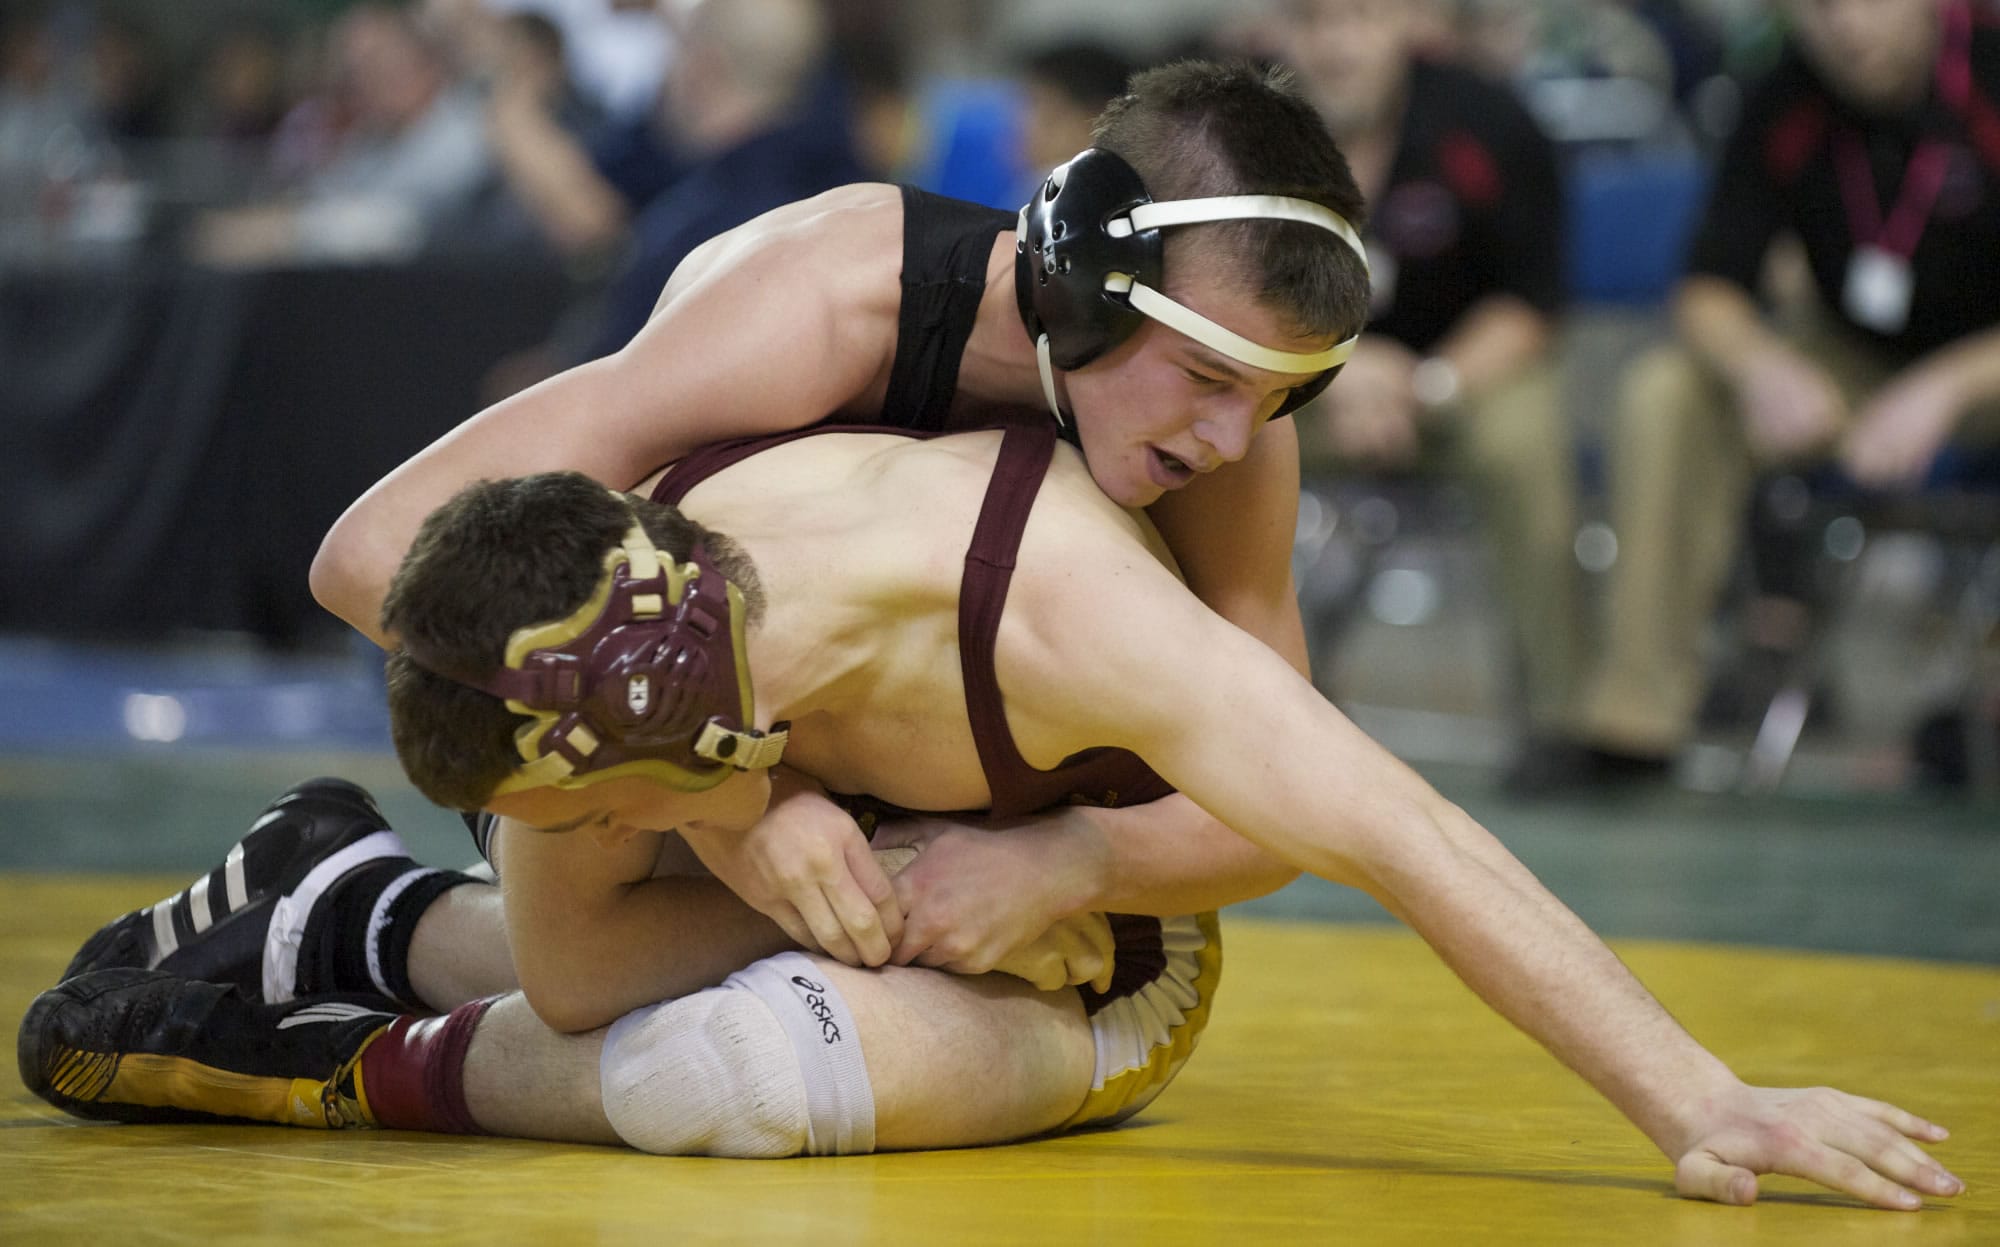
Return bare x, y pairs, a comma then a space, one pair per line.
1201, 378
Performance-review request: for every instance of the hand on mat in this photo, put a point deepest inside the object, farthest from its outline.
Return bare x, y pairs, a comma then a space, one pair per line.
1846, 1142
1902, 428
808, 868
1077, 949
975, 895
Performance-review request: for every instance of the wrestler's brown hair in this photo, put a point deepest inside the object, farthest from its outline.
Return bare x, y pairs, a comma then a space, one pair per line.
500, 556
1198, 128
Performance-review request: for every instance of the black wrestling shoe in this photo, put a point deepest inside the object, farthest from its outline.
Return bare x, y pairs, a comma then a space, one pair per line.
146, 1046
215, 928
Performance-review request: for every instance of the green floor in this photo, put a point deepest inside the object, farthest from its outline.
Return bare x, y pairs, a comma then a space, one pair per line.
1883, 875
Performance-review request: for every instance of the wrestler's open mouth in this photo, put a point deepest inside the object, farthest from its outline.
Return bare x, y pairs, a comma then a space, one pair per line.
1165, 470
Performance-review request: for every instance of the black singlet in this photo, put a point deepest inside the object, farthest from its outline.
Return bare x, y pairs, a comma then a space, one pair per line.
946, 246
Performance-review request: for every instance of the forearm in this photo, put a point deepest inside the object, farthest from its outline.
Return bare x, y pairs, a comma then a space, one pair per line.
654, 940
1534, 961
1171, 857
1494, 338
351, 572
556, 181
1336, 803
1721, 324
1973, 366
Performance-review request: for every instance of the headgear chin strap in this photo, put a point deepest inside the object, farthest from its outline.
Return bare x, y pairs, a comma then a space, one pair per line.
649, 677
1088, 268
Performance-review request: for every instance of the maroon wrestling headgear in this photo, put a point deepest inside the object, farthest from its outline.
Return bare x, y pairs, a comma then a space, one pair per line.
649, 677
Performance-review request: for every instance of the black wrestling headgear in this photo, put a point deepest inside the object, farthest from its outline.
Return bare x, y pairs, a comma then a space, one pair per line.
1088, 270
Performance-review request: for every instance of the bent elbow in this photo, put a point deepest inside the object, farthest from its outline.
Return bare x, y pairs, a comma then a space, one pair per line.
325, 577
338, 583
565, 1010
1280, 875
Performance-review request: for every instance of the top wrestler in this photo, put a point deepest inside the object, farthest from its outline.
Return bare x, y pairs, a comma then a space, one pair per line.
878, 305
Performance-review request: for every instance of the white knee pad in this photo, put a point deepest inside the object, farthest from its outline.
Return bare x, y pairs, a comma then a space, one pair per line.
767, 1065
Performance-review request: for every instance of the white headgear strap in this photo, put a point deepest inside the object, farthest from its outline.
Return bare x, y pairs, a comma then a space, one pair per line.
1184, 319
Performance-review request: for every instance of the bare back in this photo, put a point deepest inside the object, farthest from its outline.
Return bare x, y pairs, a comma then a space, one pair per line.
861, 543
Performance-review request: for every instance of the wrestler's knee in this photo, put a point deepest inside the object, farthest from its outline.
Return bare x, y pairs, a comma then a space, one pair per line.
766, 1065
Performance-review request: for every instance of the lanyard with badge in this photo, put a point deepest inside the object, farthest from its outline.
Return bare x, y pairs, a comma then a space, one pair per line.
1880, 282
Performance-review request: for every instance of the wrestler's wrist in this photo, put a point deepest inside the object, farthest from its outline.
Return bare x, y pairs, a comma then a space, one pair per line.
1088, 834
1691, 1107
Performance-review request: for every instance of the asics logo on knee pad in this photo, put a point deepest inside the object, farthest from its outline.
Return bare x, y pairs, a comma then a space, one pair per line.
815, 998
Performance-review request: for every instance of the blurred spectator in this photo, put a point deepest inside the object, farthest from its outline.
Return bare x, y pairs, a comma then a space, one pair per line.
128, 81
409, 161
32, 105
754, 122
1692, 42
540, 127
1066, 86
241, 92
871, 61
615, 52
1593, 70
532, 62
1873, 142
79, 94
1465, 251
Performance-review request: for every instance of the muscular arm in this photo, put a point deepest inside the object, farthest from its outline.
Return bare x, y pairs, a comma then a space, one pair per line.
1259, 748
709, 365
973, 895
596, 935
1231, 532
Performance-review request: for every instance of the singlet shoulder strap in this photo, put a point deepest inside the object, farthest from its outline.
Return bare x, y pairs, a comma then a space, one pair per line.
947, 244
684, 474
1025, 453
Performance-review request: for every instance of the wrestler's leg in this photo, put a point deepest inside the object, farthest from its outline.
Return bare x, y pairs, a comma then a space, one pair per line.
950, 1062
740, 1070
459, 951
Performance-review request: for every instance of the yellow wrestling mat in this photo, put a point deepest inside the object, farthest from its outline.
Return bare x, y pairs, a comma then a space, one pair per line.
1349, 1090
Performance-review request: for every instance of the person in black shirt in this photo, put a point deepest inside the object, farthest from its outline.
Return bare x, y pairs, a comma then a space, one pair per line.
1465, 255
1876, 142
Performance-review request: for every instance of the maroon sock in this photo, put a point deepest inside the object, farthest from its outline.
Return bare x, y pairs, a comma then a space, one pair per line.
414, 1072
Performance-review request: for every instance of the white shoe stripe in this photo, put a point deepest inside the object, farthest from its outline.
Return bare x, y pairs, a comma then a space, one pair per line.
378, 921
232, 876
164, 942
198, 906
288, 916
326, 1011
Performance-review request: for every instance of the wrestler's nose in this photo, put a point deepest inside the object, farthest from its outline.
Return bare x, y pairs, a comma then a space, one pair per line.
1227, 432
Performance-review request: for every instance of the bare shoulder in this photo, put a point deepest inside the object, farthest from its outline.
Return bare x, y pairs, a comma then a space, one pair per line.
1073, 521
775, 323
1096, 618
1087, 563
849, 239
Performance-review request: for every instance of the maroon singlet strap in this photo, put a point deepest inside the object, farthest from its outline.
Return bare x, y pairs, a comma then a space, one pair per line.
1025, 452
684, 474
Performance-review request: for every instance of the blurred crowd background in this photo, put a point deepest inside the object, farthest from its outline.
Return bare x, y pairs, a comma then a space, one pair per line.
253, 253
